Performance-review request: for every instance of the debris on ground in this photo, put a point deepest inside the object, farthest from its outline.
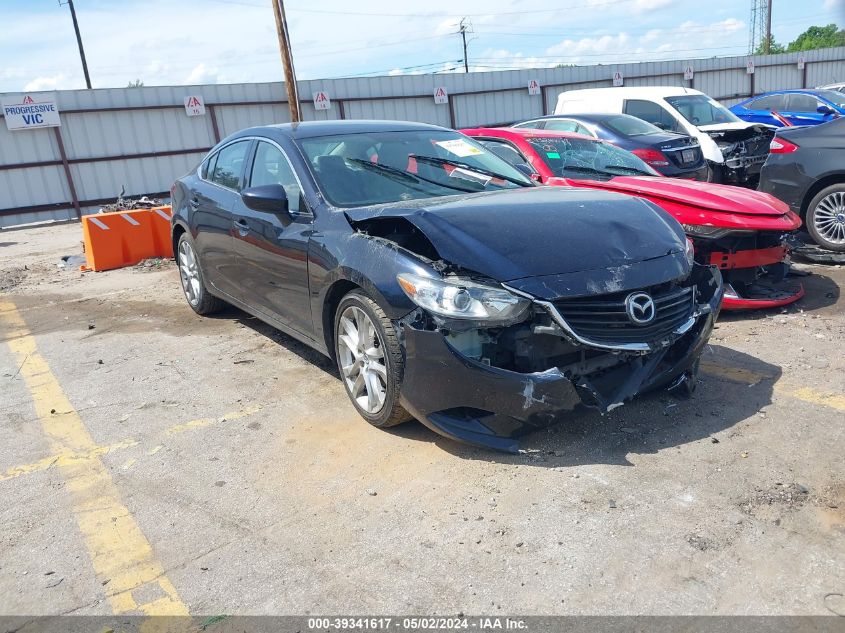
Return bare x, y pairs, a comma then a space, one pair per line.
128, 204
71, 262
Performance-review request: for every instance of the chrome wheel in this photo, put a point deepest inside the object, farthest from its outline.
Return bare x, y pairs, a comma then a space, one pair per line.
361, 354
829, 218
189, 273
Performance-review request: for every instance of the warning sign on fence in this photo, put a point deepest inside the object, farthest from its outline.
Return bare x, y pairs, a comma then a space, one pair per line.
618, 80
27, 112
533, 87
440, 95
322, 101
194, 105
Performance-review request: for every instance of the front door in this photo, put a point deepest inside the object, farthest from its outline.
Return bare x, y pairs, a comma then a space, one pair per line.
272, 259
212, 200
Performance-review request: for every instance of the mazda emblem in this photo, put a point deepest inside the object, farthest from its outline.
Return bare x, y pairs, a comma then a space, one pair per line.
640, 308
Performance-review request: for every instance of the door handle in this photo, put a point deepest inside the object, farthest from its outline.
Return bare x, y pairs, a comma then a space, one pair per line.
242, 226
194, 203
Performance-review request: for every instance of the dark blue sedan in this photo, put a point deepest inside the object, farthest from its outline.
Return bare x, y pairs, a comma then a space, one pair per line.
671, 154
799, 107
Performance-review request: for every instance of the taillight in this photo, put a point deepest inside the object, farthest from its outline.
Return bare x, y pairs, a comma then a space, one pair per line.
781, 146
653, 157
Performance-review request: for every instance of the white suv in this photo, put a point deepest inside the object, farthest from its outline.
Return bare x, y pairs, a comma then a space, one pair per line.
735, 150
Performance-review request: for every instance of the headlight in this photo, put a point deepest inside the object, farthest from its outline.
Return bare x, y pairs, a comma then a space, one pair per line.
462, 299
689, 251
711, 232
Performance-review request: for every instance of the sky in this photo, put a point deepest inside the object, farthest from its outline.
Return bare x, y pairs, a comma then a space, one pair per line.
173, 42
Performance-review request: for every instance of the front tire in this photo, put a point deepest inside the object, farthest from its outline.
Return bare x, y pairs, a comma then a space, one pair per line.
193, 284
369, 359
826, 218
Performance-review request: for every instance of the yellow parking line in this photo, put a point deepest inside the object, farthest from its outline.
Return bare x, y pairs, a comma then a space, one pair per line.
121, 556
749, 377
51, 460
64, 458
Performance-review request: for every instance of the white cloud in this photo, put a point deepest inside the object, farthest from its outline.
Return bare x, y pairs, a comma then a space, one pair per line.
45, 83
833, 4
590, 45
202, 75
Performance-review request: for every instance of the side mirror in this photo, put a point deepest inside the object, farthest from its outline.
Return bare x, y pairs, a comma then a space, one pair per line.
823, 109
268, 199
528, 170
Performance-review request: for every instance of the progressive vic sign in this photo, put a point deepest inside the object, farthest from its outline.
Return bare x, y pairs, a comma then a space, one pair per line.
23, 113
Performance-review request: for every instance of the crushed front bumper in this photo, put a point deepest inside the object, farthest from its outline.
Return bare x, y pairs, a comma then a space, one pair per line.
765, 268
488, 406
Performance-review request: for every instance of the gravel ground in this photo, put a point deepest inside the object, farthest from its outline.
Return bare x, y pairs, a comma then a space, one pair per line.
236, 470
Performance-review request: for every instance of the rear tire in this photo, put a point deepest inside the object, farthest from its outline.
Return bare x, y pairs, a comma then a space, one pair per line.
193, 284
825, 218
369, 359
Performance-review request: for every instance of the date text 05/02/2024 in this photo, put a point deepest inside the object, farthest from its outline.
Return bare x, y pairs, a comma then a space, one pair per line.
480, 623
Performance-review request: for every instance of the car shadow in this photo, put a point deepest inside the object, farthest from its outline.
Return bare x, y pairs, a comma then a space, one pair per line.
733, 387
302, 350
2, 244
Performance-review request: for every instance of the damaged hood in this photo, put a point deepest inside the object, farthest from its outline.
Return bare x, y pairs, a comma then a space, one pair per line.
692, 193
537, 231
734, 125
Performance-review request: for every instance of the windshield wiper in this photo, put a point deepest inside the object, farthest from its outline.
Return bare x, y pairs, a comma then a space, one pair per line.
434, 160
399, 174
629, 170
585, 170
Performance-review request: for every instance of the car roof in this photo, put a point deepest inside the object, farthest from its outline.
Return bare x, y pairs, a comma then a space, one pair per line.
644, 91
812, 91
311, 129
592, 117
526, 132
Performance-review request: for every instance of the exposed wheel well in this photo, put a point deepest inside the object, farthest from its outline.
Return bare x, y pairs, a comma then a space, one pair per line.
820, 184
175, 235
333, 297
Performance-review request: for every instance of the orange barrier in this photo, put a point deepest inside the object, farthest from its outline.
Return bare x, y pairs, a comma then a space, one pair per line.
123, 238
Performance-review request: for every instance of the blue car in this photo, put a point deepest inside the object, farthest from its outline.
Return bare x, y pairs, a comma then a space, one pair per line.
799, 107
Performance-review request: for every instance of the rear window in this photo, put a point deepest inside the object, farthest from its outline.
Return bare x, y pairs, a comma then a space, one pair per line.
651, 112
630, 126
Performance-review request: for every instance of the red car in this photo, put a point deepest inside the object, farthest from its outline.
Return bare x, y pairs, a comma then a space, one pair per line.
739, 230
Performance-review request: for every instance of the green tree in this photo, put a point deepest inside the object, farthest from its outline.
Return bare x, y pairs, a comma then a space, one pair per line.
818, 37
773, 49
135, 84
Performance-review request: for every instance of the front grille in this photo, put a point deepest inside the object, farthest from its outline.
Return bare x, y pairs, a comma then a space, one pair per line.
603, 319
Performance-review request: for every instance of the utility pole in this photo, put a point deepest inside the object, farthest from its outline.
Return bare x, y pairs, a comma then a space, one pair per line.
79, 43
287, 59
463, 32
768, 48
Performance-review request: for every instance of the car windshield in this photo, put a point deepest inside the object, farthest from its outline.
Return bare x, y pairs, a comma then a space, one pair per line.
701, 110
574, 157
626, 125
836, 98
382, 167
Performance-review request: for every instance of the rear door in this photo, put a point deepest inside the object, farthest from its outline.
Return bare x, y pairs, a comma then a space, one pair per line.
653, 113
272, 259
212, 200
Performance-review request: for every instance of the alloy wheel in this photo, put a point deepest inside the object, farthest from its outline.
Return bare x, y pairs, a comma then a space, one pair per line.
829, 217
189, 273
362, 362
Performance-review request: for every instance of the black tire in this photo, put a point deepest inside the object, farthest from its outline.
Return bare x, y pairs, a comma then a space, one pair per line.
196, 294
391, 412
813, 211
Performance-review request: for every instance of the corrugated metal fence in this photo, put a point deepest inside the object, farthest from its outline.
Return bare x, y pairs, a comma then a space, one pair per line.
142, 139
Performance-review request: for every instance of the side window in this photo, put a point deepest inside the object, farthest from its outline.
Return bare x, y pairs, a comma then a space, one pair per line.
652, 113
230, 165
561, 125
580, 129
208, 167
802, 103
271, 167
534, 125
772, 102
504, 151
